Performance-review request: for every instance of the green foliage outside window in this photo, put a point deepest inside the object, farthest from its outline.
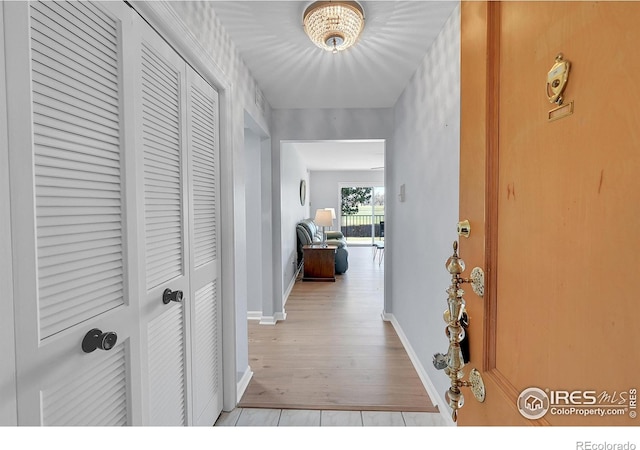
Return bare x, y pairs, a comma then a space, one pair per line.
353, 198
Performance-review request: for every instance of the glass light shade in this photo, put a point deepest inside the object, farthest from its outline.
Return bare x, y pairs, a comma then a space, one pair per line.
323, 218
334, 26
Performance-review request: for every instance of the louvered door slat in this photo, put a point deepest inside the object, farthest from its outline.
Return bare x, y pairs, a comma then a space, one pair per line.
69, 82
57, 273
76, 303
71, 65
169, 252
104, 382
203, 146
49, 255
87, 14
160, 106
53, 189
157, 272
166, 370
75, 79
65, 214
89, 282
70, 17
64, 29
98, 372
73, 122
156, 174
66, 95
206, 355
82, 146
162, 77
72, 112
52, 149
159, 131
75, 220
203, 183
203, 166
159, 151
157, 70
162, 157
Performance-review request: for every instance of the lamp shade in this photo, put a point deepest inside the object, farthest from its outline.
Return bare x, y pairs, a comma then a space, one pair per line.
333, 212
323, 218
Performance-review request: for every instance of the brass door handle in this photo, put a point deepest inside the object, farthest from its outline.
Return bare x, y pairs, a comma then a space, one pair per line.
453, 360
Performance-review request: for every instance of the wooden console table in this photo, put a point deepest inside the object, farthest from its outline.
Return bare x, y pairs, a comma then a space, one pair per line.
319, 263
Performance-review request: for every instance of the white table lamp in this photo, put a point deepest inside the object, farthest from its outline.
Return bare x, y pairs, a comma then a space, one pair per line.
333, 215
323, 219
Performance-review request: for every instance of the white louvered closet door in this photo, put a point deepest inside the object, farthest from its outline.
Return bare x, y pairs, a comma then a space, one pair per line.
164, 241
71, 213
206, 338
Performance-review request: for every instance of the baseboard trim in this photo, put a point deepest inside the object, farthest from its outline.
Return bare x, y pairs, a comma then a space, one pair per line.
272, 320
243, 383
437, 399
291, 284
254, 315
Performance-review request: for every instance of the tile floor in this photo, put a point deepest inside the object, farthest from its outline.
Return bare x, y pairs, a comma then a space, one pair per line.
316, 418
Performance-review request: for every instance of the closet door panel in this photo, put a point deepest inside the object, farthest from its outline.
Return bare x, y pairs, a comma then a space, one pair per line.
69, 220
203, 130
162, 177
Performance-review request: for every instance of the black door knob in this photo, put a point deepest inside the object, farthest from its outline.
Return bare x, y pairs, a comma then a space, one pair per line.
171, 296
97, 339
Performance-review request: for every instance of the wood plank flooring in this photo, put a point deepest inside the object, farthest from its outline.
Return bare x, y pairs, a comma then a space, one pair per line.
264, 417
334, 351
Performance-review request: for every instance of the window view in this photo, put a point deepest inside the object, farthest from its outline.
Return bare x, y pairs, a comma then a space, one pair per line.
362, 214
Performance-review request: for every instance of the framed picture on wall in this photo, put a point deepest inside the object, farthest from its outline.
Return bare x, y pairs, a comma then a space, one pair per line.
303, 192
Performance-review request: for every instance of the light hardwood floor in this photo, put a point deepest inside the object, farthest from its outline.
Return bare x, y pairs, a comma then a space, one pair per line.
334, 351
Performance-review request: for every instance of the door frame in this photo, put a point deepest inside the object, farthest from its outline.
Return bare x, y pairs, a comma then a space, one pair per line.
8, 404
479, 153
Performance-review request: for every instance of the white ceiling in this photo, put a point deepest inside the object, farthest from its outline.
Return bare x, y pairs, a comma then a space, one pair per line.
293, 73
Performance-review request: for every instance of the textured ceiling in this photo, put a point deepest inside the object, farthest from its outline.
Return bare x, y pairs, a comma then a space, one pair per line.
293, 73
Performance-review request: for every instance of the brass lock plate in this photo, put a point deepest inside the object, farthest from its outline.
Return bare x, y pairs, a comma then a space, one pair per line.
477, 281
477, 385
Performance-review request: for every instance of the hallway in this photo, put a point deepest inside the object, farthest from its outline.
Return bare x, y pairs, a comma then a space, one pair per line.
334, 351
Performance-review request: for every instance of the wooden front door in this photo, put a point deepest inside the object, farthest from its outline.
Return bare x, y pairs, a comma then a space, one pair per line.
553, 207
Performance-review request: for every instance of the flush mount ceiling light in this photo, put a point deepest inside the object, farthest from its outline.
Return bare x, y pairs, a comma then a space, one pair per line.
334, 26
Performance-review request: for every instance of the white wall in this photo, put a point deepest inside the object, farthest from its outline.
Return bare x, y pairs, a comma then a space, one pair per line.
420, 231
253, 207
293, 170
315, 125
254, 219
325, 187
